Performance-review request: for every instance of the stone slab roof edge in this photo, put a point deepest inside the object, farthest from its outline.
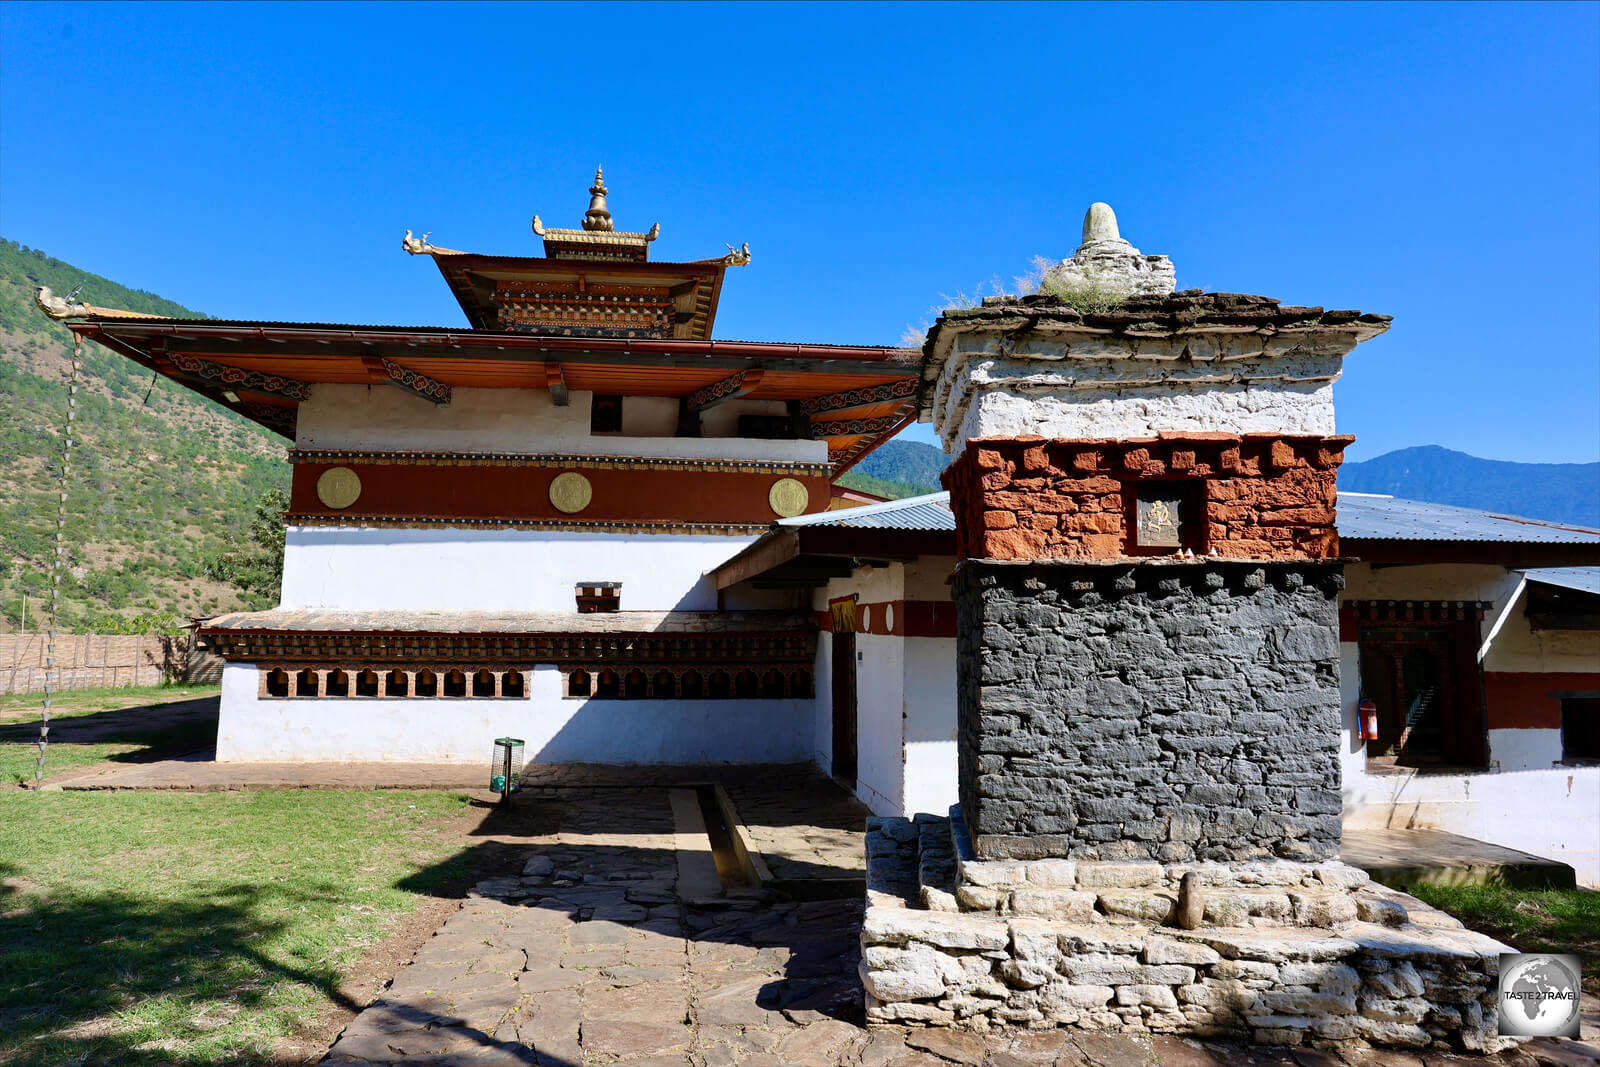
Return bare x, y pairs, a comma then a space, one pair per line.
327, 620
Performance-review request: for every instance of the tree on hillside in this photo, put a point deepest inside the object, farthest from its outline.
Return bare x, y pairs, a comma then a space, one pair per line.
257, 565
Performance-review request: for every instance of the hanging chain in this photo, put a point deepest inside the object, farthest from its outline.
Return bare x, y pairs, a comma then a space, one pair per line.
59, 559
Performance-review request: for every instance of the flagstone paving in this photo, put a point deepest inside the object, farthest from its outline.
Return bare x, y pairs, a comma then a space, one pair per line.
589, 956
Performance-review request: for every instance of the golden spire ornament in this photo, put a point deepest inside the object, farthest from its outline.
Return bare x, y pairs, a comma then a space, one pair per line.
598, 217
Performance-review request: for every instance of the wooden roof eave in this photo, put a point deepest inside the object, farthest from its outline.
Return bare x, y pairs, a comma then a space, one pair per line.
784, 546
214, 393
397, 342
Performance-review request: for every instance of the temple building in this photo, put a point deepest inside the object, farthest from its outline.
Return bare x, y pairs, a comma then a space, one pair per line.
507, 528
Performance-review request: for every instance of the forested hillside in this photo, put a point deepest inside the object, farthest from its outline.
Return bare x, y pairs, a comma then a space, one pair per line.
162, 480
898, 469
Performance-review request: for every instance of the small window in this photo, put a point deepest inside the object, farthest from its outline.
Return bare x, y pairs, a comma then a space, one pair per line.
767, 427
277, 682
427, 684
338, 684
511, 684
1580, 728
663, 686
367, 683
606, 686
394, 684
305, 683
605, 414
597, 597
1165, 516
692, 688
578, 684
455, 684
483, 684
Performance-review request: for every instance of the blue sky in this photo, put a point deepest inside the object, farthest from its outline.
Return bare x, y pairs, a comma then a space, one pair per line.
1437, 162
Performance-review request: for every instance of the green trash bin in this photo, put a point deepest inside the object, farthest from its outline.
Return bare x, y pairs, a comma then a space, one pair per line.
505, 773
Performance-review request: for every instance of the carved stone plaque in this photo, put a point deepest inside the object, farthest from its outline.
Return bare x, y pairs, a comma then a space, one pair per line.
1161, 517
338, 488
788, 497
571, 492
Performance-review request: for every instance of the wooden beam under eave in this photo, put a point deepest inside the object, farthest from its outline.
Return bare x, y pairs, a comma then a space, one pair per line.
738, 384
864, 396
556, 381
772, 550
404, 378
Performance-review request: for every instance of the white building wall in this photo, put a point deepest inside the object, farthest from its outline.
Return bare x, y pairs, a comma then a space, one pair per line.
1521, 801
880, 722
822, 715
905, 694
380, 418
930, 725
448, 569
556, 729
1522, 649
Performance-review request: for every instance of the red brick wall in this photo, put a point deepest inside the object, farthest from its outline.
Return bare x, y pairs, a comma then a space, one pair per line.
1265, 496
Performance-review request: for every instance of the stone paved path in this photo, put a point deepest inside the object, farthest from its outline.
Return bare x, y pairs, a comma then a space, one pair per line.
590, 957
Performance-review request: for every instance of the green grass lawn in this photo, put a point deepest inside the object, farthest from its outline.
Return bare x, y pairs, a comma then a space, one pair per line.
1533, 920
140, 733
199, 928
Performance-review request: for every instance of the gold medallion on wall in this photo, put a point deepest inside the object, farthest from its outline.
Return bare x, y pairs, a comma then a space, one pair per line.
571, 492
788, 497
338, 488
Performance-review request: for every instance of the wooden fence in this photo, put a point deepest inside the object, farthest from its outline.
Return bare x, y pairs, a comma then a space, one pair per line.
104, 661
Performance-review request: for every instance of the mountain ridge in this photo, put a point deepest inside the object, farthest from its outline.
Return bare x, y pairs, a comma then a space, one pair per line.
1555, 492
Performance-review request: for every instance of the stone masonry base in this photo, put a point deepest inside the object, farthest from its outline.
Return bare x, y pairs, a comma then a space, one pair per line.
1284, 953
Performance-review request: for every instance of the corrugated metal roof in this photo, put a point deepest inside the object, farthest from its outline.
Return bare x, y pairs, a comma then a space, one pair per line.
1386, 518
1361, 515
931, 512
1583, 579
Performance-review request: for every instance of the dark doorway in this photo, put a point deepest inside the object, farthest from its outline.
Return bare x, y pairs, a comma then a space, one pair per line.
844, 709
1426, 684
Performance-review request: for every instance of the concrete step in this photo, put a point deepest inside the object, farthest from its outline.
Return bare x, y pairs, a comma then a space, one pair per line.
1401, 858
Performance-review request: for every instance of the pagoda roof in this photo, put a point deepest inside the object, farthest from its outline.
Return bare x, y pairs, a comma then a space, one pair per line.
854, 396
472, 279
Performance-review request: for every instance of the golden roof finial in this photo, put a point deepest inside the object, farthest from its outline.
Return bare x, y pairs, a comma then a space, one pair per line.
598, 217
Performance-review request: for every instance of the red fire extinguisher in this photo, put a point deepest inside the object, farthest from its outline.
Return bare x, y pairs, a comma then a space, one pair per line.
1368, 712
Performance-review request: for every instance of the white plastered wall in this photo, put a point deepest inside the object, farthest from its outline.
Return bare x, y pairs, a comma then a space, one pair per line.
879, 691
380, 418
556, 729
905, 695
930, 725
450, 569
1521, 801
